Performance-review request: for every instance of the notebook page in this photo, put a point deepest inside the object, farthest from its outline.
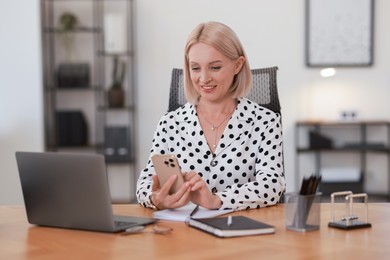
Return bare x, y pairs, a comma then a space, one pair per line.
181, 214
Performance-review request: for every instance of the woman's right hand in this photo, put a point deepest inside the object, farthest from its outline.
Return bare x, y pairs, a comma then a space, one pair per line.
161, 198
200, 193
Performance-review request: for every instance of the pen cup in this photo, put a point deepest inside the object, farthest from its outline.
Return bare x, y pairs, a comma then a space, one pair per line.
303, 211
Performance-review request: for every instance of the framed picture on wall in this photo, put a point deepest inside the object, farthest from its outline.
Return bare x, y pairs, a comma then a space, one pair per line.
339, 33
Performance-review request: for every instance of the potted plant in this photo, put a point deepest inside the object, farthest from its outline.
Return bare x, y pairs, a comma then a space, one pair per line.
116, 94
68, 22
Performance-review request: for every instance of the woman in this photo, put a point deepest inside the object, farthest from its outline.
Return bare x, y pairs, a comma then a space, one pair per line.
229, 148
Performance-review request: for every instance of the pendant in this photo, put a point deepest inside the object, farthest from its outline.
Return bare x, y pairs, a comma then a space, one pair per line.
212, 128
213, 163
214, 145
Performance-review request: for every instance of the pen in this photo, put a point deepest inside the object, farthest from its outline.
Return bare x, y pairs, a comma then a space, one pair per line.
229, 221
194, 211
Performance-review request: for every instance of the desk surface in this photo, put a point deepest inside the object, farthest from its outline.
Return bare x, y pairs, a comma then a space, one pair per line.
20, 240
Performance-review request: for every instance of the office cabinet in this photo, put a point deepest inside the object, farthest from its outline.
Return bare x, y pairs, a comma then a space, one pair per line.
351, 144
88, 81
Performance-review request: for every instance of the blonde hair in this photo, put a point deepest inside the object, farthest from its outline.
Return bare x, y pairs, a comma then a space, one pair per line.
223, 39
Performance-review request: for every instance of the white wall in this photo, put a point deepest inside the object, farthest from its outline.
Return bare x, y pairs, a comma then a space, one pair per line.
271, 31
21, 116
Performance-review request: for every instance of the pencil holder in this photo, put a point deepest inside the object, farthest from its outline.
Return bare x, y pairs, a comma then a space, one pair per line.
303, 211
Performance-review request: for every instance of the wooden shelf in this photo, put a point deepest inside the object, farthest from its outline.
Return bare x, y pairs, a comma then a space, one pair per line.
57, 30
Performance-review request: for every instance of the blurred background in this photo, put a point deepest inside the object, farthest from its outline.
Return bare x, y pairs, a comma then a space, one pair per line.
352, 105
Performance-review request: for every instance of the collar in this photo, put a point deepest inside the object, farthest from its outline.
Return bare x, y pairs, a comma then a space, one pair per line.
245, 111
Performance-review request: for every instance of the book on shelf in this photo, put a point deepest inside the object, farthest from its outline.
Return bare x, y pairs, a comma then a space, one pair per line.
232, 226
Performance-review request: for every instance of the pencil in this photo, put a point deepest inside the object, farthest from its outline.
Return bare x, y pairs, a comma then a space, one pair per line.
309, 185
194, 211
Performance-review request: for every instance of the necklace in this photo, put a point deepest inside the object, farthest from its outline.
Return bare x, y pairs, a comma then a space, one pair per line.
215, 127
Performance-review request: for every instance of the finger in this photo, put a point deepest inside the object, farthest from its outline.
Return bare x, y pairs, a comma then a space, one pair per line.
195, 179
197, 185
182, 200
168, 184
186, 188
155, 183
190, 175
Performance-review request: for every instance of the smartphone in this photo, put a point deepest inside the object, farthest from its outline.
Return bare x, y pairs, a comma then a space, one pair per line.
167, 165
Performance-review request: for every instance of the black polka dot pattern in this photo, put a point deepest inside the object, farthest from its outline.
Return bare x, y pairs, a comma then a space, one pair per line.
247, 168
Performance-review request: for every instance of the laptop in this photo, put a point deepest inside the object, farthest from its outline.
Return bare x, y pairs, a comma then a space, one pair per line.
67, 190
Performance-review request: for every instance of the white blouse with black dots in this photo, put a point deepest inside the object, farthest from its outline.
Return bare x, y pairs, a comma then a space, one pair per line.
246, 170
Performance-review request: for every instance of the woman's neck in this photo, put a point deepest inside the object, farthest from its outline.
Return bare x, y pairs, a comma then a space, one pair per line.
213, 118
216, 109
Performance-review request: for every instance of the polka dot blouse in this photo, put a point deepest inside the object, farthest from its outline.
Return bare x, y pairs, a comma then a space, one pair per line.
246, 170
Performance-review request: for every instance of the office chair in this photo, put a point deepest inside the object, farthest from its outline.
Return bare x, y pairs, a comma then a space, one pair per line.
264, 90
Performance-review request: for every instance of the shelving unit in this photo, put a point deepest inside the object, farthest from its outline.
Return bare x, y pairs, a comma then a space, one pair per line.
343, 139
78, 117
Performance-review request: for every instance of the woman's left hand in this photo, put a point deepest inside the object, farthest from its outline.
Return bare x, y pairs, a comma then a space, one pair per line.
200, 193
161, 197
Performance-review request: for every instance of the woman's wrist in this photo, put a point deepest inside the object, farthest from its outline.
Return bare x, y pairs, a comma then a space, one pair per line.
217, 203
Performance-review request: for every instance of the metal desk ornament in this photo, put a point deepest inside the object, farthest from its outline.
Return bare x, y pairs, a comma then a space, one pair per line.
351, 212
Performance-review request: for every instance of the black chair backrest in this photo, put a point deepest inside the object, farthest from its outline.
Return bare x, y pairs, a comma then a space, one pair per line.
264, 90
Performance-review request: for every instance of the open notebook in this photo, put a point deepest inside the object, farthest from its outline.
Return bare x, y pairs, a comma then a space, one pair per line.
183, 213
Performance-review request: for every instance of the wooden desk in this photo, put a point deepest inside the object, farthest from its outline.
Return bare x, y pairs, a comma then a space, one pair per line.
20, 240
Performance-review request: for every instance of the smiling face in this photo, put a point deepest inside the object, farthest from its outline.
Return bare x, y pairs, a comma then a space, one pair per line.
211, 72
